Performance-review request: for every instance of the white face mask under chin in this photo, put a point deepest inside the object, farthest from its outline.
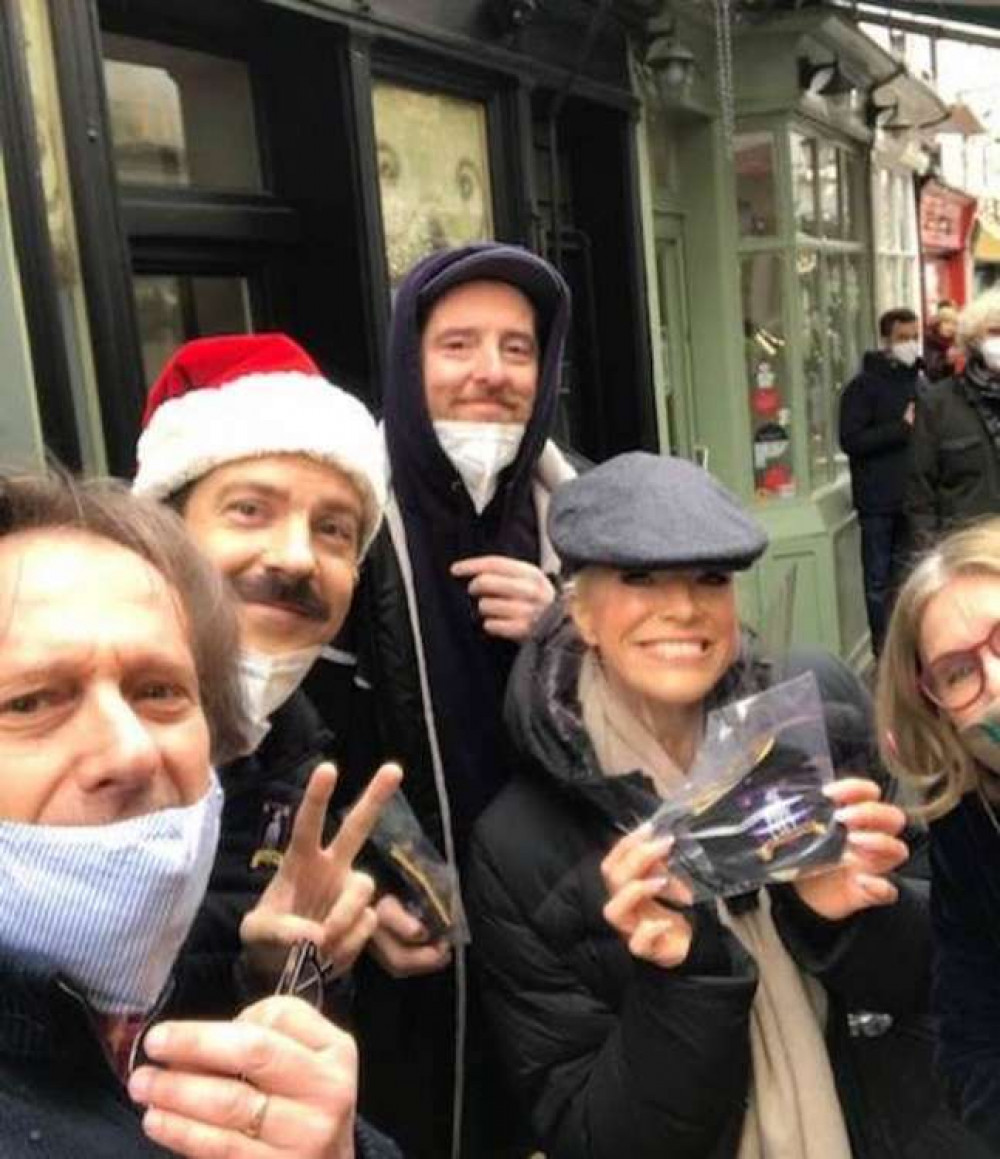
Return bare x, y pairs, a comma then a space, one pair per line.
479, 452
990, 350
268, 681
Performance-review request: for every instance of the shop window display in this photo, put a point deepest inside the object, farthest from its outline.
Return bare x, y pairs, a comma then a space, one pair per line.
434, 174
810, 271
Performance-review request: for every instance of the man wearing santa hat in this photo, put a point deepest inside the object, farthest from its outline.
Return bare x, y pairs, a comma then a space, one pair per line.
280, 478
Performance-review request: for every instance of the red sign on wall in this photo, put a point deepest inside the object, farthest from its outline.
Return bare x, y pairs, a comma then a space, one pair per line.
946, 217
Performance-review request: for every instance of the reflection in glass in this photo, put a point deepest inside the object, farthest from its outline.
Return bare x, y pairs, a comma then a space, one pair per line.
172, 308
804, 183
829, 190
813, 365
854, 326
849, 190
434, 175
179, 117
835, 323
756, 200
767, 375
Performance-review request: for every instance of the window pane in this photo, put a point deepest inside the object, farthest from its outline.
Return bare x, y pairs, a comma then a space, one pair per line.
767, 375
804, 183
850, 204
172, 309
829, 191
883, 210
814, 365
836, 337
756, 201
854, 331
434, 176
180, 117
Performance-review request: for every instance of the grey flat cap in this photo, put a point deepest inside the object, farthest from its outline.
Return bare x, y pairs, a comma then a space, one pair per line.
652, 511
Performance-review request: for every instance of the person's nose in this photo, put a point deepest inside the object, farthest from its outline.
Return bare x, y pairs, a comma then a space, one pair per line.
991, 673
290, 548
489, 363
677, 599
122, 755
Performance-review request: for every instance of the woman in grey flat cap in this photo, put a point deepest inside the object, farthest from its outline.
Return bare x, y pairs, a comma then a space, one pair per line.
632, 1024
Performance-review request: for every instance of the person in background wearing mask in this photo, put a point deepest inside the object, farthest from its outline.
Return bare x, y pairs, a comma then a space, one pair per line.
954, 475
452, 586
942, 357
118, 689
280, 479
939, 722
876, 422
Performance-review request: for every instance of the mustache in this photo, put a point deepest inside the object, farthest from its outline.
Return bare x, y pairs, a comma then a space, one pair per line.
274, 587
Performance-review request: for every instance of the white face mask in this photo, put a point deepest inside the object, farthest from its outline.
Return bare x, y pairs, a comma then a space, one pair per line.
906, 352
108, 907
479, 452
268, 681
990, 350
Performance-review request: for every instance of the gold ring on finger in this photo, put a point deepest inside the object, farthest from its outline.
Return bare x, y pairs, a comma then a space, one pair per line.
253, 1129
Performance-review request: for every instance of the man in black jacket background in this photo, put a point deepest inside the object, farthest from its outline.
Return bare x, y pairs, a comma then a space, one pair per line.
876, 423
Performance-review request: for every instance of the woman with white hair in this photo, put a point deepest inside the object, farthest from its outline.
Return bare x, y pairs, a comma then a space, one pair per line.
955, 446
939, 719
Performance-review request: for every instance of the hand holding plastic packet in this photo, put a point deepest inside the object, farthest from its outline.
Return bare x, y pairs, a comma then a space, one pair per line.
752, 811
417, 873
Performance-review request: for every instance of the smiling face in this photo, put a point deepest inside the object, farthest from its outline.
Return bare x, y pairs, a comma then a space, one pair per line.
285, 530
666, 637
479, 355
961, 616
100, 716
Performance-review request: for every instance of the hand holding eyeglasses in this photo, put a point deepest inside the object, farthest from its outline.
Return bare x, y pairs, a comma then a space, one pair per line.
316, 895
279, 1080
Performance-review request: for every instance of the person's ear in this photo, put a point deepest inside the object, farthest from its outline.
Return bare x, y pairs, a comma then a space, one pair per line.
583, 618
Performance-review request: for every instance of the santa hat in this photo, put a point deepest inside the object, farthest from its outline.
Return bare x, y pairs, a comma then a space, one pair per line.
247, 395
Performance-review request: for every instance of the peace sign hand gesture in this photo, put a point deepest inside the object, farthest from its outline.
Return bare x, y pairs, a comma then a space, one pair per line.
316, 895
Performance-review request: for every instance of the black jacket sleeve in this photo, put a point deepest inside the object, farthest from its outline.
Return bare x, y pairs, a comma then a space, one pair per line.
878, 959
860, 435
966, 977
667, 1073
922, 481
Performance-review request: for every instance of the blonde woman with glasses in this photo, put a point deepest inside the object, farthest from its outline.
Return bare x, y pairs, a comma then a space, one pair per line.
939, 724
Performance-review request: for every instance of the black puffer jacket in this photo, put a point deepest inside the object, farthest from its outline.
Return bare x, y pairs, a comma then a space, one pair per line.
954, 467
613, 1057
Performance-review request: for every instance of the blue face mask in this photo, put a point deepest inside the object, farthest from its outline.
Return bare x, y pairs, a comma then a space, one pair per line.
108, 907
981, 738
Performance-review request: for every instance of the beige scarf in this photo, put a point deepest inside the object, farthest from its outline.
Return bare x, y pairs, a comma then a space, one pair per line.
793, 1111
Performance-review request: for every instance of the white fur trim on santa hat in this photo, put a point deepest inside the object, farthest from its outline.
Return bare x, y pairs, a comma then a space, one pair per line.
285, 412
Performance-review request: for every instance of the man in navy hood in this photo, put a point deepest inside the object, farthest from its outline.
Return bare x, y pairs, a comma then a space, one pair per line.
452, 585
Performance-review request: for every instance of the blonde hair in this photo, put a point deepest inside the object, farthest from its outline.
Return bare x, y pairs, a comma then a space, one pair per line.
975, 319
916, 739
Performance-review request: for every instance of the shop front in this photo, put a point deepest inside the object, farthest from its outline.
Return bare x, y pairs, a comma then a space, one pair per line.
946, 220
241, 166
813, 230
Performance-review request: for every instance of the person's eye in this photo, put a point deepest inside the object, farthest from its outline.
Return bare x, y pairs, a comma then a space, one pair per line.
29, 703
520, 348
338, 530
161, 692
245, 510
715, 579
956, 671
637, 579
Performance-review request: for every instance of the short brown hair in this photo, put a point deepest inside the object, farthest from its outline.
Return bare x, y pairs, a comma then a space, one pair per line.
916, 739
105, 509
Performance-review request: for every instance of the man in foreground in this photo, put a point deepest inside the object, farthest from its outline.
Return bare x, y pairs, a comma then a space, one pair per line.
118, 689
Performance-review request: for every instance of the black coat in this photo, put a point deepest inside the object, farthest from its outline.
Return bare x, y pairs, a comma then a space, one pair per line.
611, 1056
874, 434
954, 468
59, 1092
264, 786
965, 855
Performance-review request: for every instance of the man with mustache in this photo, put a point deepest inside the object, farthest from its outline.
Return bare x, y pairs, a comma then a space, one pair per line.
118, 689
452, 587
280, 478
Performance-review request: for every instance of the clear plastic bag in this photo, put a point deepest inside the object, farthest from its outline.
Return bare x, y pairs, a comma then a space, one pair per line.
413, 869
752, 811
